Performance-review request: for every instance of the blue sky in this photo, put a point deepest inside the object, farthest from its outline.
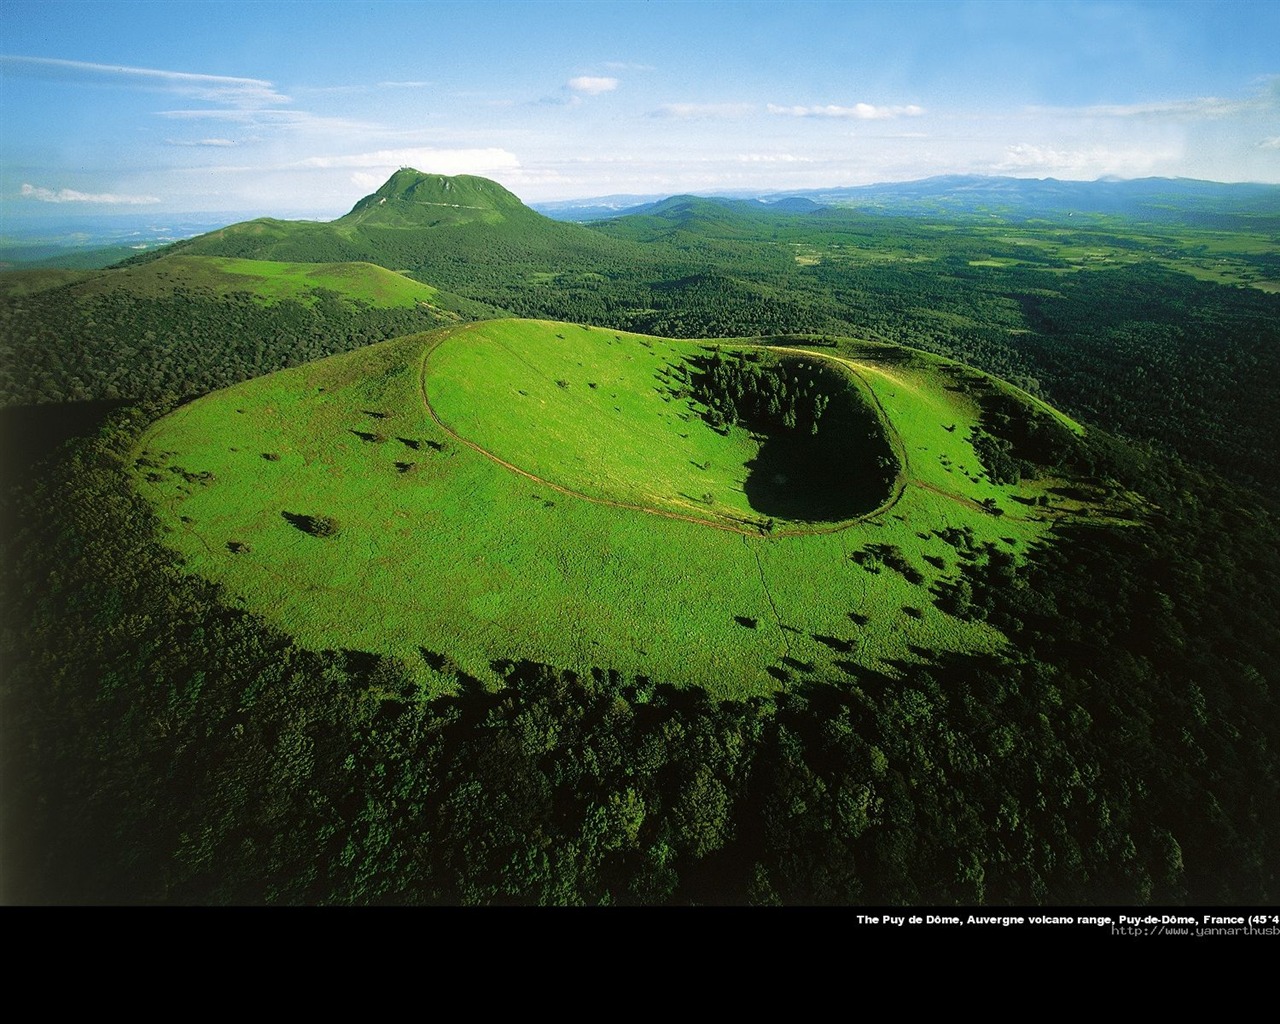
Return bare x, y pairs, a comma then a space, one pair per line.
300, 108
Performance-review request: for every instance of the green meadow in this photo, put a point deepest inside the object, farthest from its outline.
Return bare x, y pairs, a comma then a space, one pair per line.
1242, 257
267, 281
615, 421
1224, 257
512, 490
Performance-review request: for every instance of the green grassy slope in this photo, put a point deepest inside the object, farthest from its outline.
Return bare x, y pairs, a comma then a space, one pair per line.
267, 281
436, 552
601, 414
600, 424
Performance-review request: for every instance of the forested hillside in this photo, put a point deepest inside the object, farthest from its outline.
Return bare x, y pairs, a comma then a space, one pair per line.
175, 749
187, 327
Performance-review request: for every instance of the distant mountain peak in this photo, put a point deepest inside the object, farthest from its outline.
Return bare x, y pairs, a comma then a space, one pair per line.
411, 197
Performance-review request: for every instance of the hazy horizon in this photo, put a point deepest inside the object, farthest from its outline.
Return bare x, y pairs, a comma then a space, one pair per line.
72, 218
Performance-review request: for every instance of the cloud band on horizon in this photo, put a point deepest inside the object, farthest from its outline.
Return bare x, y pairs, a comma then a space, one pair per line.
69, 195
859, 111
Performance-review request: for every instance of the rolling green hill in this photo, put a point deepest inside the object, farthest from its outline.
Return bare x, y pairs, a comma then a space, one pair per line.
462, 233
519, 489
266, 281
409, 201
694, 215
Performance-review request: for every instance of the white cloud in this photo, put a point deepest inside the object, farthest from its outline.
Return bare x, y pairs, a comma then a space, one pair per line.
234, 116
236, 92
217, 143
591, 85
557, 101
433, 161
1265, 99
1204, 107
1027, 157
692, 110
773, 158
1271, 143
297, 120
1092, 162
859, 111
68, 195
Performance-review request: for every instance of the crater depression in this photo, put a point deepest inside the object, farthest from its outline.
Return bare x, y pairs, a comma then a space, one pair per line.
734, 514
735, 435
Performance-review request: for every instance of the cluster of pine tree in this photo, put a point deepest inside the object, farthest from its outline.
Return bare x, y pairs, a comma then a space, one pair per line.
765, 396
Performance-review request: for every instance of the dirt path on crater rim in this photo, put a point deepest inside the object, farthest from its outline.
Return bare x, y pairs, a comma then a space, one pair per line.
899, 483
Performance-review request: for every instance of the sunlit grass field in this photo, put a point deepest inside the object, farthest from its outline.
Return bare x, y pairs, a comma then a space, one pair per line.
541, 517
1240, 257
266, 280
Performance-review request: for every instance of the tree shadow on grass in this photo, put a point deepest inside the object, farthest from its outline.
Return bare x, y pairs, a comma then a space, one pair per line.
316, 526
834, 642
468, 685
